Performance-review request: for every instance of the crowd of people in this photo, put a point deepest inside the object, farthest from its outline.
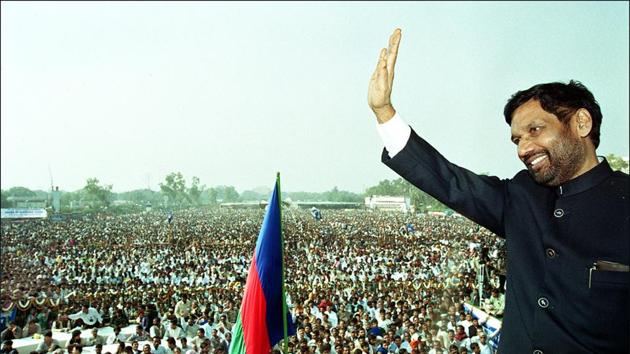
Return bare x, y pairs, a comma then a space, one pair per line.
357, 281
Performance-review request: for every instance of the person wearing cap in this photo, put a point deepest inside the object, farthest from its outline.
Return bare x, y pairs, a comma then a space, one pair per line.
49, 344
7, 347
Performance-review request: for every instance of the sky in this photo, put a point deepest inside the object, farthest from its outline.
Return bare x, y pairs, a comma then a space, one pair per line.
232, 93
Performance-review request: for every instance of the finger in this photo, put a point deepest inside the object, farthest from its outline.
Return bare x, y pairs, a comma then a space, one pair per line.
392, 53
381, 64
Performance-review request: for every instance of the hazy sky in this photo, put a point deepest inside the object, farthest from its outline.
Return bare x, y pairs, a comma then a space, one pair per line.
233, 92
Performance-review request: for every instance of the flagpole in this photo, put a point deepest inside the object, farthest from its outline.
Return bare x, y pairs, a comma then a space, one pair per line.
284, 300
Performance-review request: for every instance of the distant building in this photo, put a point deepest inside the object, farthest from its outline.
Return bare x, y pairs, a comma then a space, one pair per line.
244, 205
388, 203
27, 202
328, 205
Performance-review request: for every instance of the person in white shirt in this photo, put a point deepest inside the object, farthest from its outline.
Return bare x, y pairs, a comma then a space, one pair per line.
484, 346
94, 339
116, 336
199, 339
88, 317
174, 330
466, 322
157, 330
437, 348
333, 319
495, 304
48, 345
182, 308
190, 328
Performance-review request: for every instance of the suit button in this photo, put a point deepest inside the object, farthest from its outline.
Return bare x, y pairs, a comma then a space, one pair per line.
537, 351
543, 302
558, 213
551, 252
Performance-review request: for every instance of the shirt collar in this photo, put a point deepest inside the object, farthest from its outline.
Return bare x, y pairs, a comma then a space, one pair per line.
591, 178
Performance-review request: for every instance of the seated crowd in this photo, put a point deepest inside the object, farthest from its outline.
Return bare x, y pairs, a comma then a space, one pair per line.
357, 281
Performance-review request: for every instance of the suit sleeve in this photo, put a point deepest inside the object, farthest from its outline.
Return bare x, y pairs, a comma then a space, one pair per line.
479, 198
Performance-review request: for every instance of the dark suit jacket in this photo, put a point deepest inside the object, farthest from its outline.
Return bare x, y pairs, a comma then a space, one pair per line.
553, 237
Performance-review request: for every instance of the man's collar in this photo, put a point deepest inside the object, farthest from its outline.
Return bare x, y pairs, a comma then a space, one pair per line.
591, 178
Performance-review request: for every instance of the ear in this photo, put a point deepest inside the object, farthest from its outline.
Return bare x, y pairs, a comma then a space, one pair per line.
583, 122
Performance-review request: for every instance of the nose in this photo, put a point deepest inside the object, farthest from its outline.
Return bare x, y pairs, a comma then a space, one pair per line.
525, 148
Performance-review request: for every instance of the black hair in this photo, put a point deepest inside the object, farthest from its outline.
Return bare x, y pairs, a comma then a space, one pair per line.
561, 100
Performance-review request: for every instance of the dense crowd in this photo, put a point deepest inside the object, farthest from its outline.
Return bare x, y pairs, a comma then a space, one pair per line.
358, 281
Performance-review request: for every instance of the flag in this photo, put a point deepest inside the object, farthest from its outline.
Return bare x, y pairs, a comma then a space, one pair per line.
263, 319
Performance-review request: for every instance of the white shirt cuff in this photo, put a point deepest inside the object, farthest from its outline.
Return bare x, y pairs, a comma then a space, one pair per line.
395, 133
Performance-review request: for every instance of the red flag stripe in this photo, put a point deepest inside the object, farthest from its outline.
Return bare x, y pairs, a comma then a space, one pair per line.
254, 314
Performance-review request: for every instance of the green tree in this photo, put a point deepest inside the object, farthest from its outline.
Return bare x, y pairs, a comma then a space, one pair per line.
252, 196
617, 163
195, 191
212, 195
174, 187
336, 195
231, 195
69, 198
20, 192
226, 194
4, 201
95, 192
142, 196
303, 196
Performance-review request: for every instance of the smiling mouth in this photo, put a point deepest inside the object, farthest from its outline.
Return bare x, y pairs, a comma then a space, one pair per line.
537, 160
535, 163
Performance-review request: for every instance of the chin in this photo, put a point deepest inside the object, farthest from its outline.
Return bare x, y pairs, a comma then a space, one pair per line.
545, 179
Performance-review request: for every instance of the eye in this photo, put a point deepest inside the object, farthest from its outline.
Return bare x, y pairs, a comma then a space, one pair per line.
535, 130
516, 140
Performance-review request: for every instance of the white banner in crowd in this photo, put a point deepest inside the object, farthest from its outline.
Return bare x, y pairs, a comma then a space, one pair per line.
24, 213
490, 324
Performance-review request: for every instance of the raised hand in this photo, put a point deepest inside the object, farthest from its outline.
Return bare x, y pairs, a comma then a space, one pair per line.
382, 80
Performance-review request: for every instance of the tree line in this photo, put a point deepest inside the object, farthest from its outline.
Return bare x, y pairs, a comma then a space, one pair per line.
176, 193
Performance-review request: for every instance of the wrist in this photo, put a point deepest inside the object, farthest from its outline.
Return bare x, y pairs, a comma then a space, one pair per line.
384, 114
